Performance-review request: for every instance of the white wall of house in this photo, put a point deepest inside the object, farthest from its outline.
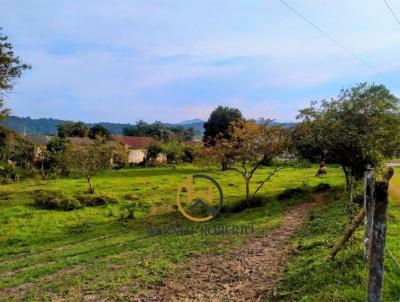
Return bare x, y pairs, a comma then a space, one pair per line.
136, 156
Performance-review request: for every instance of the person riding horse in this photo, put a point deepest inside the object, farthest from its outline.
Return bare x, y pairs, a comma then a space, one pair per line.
323, 169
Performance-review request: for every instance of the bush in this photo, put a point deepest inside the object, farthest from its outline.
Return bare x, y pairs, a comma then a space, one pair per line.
358, 199
241, 205
290, 193
58, 200
322, 187
129, 210
55, 200
93, 200
152, 152
188, 154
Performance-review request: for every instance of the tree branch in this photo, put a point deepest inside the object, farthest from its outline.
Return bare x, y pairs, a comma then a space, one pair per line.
277, 169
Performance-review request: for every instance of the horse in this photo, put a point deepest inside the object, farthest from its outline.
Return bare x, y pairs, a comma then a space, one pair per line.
323, 170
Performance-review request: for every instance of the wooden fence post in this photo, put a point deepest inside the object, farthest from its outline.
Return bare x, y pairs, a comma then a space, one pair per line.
369, 185
378, 236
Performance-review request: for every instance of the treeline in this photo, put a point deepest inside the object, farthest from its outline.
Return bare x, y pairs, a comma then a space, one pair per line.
160, 131
49, 126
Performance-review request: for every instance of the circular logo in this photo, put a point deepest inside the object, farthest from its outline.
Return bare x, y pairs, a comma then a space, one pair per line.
200, 199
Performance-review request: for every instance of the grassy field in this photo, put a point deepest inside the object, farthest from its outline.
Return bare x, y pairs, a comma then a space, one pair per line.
311, 277
90, 253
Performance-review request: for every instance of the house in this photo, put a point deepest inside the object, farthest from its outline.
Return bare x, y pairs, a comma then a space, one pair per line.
137, 146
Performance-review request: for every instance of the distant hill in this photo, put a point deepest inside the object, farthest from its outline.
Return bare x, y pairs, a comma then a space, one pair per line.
191, 122
48, 126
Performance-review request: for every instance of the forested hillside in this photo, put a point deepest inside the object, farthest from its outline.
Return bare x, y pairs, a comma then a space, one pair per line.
49, 125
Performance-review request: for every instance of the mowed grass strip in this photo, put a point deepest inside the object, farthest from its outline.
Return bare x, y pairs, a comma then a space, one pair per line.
50, 253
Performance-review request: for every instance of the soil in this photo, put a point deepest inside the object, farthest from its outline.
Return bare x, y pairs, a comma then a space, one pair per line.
245, 274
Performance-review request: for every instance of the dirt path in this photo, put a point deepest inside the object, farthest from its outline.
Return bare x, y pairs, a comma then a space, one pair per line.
245, 274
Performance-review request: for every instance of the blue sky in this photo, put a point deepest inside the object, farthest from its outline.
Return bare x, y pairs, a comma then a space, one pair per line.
171, 60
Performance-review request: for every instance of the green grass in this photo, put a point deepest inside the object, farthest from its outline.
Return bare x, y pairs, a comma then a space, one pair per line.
52, 254
311, 276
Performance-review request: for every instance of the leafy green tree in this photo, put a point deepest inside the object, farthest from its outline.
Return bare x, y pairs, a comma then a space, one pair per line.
11, 68
360, 127
89, 159
99, 130
58, 144
72, 129
219, 122
52, 159
160, 131
65, 129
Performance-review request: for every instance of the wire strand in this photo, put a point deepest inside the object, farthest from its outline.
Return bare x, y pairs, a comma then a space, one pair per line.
354, 55
393, 257
392, 11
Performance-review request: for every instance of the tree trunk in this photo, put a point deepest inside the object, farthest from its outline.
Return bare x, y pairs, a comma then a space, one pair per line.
346, 176
351, 193
224, 166
89, 180
248, 192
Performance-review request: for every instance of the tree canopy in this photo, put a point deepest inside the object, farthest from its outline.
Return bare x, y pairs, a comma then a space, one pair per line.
219, 122
246, 149
72, 129
11, 67
160, 131
358, 128
99, 130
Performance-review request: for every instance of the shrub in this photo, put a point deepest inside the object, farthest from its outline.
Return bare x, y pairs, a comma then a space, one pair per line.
290, 193
55, 200
241, 205
152, 152
130, 209
92, 200
322, 187
188, 153
358, 199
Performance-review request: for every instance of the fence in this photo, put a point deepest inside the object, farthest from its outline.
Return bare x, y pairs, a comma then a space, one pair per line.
375, 207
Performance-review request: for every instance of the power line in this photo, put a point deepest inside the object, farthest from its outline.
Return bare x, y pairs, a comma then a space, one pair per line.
354, 55
391, 10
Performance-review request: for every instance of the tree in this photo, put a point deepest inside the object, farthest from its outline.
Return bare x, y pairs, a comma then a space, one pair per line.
11, 68
249, 144
217, 128
89, 159
160, 131
358, 128
218, 123
53, 160
99, 130
72, 129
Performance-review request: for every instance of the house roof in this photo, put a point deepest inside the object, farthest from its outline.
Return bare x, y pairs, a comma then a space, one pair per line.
135, 142
193, 142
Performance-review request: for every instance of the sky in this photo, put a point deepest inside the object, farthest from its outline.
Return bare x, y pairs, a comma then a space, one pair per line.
173, 60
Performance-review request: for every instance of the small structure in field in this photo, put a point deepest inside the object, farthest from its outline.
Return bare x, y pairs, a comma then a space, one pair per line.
137, 146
